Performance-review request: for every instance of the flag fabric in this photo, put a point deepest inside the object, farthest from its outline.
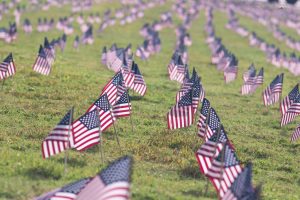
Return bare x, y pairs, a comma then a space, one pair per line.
68, 192
225, 169
203, 115
41, 64
273, 92
292, 112
248, 73
112, 182
49, 51
196, 93
211, 126
182, 114
296, 134
58, 139
249, 83
289, 99
127, 74
259, 80
85, 132
230, 73
139, 85
7, 67
208, 151
122, 108
242, 187
112, 88
105, 113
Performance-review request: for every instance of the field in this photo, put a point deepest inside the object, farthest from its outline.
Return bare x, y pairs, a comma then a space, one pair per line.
165, 166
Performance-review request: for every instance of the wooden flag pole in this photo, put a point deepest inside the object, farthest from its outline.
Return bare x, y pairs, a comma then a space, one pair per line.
115, 131
100, 137
68, 144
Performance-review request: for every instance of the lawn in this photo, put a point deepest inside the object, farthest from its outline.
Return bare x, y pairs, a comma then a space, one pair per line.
165, 166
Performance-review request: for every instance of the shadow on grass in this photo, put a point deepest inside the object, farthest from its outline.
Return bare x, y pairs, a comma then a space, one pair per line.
6, 195
191, 172
73, 162
199, 193
40, 172
140, 196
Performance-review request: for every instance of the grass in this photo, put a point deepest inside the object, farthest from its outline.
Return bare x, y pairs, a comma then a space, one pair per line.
165, 166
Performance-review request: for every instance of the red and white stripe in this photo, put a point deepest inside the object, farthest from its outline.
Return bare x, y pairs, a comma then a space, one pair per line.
122, 110
180, 117
271, 96
111, 90
296, 134
292, 112
208, 151
97, 190
82, 137
10, 70
42, 66
57, 141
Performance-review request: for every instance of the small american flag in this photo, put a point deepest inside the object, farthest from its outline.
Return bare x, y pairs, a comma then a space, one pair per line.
127, 74
211, 125
41, 64
50, 52
249, 72
122, 108
242, 187
85, 131
208, 151
112, 183
230, 73
139, 85
296, 134
105, 112
292, 112
7, 67
224, 170
249, 83
182, 114
58, 139
273, 92
204, 111
289, 99
112, 88
68, 192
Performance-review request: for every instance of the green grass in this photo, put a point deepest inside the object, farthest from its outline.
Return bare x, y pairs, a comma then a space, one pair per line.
165, 166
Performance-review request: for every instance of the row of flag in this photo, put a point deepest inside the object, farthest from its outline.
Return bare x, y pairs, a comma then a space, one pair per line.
221, 57
218, 160
251, 80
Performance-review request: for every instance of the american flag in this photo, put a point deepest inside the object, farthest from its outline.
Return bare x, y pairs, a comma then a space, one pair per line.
249, 83
204, 111
7, 67
68, 192
58, 139
273, 92
85, 131
230, 73
182, 114
197, 91
210, 126
41, 64
105, 113
292, 112
139, 85
224, 170
122, 108
289, 99
113, 87
210, 150
127, 74
112, 183
249, 72
50, 51
242, 187
260, 77
296, 134
115, 60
